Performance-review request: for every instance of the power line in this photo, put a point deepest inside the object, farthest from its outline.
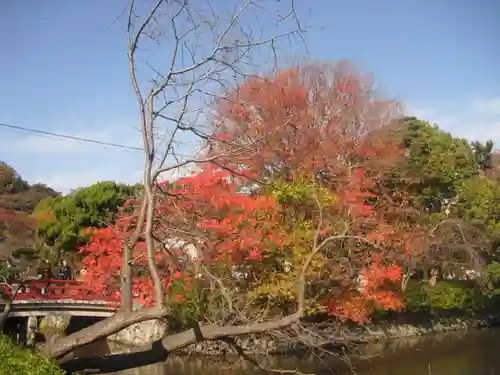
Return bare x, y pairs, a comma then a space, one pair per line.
88, 140
94, 141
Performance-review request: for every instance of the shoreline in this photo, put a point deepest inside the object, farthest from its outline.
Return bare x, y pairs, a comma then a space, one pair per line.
331, 336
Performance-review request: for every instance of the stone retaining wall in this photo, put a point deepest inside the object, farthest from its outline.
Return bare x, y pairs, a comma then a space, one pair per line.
318, 334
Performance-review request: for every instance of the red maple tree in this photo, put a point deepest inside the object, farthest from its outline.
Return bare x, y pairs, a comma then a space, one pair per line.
321, 125
327, 124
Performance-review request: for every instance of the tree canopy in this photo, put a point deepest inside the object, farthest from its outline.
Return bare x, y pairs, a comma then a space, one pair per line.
62, 221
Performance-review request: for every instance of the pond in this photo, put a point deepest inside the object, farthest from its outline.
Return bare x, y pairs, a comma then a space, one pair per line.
471, 353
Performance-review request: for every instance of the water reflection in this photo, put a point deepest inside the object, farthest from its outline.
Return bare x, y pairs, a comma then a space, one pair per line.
470, 353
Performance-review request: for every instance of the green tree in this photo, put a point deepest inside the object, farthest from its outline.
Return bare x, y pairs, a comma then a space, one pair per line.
479, 205
483, 154
433, 173
62, 221
436, 161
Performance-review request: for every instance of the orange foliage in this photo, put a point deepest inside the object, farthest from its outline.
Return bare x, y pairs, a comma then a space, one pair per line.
309, 118
205, 211
13, 223
329, 121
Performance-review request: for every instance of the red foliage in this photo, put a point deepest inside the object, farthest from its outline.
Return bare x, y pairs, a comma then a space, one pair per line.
313, 117
330, 122
14, 224
205, 210
327, 122
376, 292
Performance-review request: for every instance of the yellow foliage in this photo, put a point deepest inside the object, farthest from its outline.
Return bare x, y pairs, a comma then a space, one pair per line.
299, 200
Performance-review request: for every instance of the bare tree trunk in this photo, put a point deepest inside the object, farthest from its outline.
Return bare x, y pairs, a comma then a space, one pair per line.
127, 271
5, 314
8, 307
126, 280
405, 279
149, 191
183, 339
101, 330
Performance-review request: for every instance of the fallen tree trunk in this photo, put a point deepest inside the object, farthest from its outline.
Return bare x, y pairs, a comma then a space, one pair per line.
159, 350
102, 329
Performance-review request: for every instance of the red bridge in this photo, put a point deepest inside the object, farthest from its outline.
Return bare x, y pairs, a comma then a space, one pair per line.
40, 297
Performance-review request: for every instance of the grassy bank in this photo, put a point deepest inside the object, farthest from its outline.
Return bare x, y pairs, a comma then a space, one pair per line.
15, 360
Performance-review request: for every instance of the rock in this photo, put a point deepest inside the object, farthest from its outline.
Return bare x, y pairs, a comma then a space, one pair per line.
141, 333
56, 322
53, 326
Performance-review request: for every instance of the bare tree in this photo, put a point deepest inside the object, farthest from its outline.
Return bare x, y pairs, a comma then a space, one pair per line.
16, 267
9, 295
182, 56
209, 49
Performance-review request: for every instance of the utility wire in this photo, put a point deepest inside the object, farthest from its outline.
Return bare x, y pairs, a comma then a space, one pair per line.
94, 141
88, 140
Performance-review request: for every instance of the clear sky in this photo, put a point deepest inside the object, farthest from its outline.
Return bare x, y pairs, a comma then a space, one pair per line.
63, 68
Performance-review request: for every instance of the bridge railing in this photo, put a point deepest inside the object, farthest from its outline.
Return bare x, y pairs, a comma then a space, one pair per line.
54, 289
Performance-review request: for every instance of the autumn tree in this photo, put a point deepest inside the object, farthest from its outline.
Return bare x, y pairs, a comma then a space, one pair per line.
16, 231
209, 232
223, 258
326, 141
10, 181
322, 117
16, 194
17, 201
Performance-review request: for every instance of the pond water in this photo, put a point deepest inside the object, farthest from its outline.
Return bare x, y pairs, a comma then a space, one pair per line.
472, 353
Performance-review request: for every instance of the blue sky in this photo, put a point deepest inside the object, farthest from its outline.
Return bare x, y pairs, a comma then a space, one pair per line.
64, 69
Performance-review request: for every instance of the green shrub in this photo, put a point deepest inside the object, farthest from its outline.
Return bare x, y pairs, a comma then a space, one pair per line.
415, 297
492, 271
15, 360
492, 277
445, 295
450, 295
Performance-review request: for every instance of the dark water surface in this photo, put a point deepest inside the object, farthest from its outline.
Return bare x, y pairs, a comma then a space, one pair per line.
472, 353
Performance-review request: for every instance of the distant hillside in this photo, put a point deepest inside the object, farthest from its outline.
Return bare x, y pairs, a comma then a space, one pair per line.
18, 199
